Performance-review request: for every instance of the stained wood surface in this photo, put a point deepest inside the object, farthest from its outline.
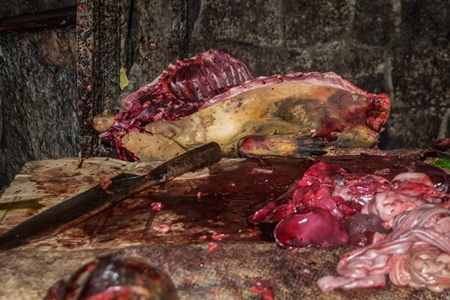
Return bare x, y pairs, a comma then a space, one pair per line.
43, 184
209, 251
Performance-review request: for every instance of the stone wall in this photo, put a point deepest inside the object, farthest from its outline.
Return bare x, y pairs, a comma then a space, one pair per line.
397, 47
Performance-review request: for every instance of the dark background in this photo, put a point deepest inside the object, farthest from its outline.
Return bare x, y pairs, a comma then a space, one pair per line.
55, 75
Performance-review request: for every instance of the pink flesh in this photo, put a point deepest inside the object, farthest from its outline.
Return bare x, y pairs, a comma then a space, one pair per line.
439, 178
304, 195
361, 189
361, 228
418, 226
314, 227
324, 187
322, 173
273, 212
328, 187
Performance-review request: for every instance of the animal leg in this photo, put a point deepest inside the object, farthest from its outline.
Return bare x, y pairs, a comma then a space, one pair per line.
287, 145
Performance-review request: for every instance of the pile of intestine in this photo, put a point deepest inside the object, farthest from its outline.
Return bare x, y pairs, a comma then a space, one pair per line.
415, 253
403, 225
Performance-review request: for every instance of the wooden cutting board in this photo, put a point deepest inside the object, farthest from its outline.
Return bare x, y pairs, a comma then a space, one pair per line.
194, 228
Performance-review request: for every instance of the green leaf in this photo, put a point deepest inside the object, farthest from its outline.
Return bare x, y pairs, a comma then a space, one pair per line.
442, 163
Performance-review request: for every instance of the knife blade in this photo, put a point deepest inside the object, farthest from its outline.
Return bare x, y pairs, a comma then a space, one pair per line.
105, 195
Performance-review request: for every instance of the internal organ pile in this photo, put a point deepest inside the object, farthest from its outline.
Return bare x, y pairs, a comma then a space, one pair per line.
313, 211
411, 241
215, 97
415, 253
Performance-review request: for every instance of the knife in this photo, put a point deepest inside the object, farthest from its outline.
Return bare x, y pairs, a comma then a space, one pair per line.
104, 195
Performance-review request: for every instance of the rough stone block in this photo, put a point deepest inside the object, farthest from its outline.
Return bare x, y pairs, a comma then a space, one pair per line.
308, 23
162, 35
420, 75
428, 19
411, 128
373, 22
250, 22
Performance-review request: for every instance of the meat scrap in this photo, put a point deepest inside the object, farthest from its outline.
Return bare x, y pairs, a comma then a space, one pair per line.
408, 190
115, 276
403, 224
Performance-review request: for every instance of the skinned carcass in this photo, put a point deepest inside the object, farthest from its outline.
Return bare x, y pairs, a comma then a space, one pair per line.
214, 97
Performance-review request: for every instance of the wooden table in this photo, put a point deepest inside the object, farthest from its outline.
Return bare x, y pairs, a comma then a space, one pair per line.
208, 250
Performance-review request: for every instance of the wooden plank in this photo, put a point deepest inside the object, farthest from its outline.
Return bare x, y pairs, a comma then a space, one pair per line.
25, 8
48, 19
43, 184
200, 207
209, 252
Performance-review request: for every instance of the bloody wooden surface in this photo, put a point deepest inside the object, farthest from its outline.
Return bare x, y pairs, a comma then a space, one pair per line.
199, 236
190, 209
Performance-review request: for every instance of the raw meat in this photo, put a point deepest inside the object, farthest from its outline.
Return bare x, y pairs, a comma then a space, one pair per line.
177, 92
425, 228
324, 187
415, 253
214, 97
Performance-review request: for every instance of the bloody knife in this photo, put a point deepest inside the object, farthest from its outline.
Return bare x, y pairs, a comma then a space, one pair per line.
108, 193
